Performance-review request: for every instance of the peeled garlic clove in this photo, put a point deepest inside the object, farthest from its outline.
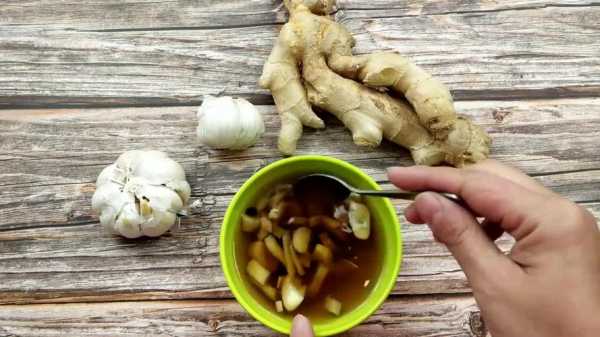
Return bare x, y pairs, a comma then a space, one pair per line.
259, 273
287, 247
250, 223
323, 254
360, 220
274, 214
314, 287
266, 224
279, 306
292, 294
269, 291
296, 261
259, 252
275, 249
301, 239
333, 306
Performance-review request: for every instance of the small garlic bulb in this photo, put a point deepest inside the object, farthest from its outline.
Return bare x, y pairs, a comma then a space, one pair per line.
227, 123
141, 194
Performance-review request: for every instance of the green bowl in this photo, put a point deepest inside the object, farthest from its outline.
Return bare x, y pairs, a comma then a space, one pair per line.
284, 171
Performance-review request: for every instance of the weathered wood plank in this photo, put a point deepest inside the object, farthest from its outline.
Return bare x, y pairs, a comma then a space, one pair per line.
431, 8
461, 49
110, 15
146, 14
456, 316
52, 249
546, 138
540, 56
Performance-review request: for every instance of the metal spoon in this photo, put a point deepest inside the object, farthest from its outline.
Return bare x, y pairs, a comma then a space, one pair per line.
341, 189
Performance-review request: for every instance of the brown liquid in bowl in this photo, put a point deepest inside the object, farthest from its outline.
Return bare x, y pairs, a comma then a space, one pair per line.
346, 283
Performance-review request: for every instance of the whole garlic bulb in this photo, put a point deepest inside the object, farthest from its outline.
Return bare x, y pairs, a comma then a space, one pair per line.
141, 194
227, 123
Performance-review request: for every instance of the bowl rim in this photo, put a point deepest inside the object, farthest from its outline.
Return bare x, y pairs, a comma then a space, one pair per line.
228, 264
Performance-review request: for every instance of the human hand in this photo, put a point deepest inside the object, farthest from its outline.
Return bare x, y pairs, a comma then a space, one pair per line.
301, 327
549, 283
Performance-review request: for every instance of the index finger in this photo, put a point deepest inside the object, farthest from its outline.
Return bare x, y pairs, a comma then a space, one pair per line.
494, 167
498, 199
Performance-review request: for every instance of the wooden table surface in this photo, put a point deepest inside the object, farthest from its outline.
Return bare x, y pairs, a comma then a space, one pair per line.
83, 81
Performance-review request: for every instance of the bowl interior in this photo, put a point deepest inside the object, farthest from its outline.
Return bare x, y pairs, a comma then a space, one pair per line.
286, 170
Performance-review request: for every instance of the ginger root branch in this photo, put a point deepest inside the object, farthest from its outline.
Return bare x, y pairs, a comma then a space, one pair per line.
334, 80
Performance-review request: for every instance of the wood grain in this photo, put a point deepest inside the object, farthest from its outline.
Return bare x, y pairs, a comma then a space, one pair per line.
101, 77
52, 249
548, 50
113, 15
456, 316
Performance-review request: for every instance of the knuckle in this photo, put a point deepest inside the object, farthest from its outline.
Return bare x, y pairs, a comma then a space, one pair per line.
471, 181
471, 173
450, 234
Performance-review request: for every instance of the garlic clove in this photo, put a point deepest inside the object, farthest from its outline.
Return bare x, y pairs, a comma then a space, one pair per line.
160, 197
218, 122
105, 195
227, 123
108, 217
106, 176
159, 225
252, 125
128, 222
156, 167
360, 220
182, 188
145, 209
292, 293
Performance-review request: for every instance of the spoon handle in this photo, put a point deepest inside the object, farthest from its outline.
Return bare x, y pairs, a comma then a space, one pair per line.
411, 196
389, 194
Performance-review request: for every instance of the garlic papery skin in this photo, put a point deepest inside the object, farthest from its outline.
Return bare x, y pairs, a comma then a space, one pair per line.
227, 123
141, 194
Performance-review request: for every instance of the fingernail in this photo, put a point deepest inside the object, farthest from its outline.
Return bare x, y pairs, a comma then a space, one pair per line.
392, 169
395, 169
409, 212
300, 319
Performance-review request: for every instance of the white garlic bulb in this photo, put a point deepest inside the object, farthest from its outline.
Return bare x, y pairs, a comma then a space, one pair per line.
227, 123
141, 194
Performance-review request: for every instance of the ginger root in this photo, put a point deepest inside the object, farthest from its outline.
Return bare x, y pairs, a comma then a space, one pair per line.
312, 65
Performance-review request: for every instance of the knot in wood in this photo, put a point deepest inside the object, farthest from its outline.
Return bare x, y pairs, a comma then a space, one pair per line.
213, 325
501, 113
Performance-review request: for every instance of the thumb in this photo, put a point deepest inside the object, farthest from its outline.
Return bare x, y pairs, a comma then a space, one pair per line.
455, 227
301, 327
